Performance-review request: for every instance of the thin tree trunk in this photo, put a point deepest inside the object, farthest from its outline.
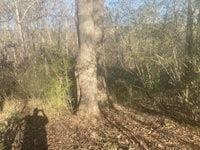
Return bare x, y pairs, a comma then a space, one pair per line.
189, 51
19, 25
189, 33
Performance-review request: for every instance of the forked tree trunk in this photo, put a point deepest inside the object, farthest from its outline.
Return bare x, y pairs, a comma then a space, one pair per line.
87, 62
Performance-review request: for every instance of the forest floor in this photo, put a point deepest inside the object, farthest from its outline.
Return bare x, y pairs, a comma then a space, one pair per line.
117, 128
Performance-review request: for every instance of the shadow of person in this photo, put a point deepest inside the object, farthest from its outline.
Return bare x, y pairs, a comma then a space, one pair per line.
35, 131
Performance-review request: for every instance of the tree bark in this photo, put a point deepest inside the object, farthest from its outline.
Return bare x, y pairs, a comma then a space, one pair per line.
98, 15
87, 62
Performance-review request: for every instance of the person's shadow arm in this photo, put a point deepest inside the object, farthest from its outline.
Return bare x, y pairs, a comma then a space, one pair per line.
45, 117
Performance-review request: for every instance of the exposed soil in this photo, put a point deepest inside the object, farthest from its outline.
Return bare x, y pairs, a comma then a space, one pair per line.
117, 128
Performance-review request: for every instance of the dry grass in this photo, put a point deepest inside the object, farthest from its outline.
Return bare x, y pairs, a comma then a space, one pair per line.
52, 107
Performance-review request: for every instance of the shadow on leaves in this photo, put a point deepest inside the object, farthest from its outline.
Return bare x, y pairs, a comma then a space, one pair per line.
35, 131
26, 133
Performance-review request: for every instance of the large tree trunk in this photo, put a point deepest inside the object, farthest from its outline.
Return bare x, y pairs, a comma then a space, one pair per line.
87, 62
98, 15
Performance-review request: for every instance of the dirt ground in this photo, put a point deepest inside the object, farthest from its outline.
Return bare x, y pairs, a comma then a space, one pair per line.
117, 128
